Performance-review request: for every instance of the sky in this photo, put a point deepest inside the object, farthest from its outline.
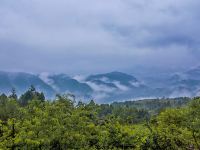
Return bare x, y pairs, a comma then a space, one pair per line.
95, 36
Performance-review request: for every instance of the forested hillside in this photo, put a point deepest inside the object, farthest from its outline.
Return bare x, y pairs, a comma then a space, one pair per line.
31, 122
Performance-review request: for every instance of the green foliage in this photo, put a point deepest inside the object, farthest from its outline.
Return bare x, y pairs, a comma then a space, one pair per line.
32, 123
30, 95
13, 94
177, 128
154, 106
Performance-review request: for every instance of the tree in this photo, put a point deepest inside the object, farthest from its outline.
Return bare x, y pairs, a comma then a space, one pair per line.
60, 124
30, 95
13, 94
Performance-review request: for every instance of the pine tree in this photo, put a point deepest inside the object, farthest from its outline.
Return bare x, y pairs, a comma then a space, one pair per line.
13, 94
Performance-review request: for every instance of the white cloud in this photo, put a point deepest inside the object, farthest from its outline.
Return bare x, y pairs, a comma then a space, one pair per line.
45, 77
101, 88
100, 96
79, 78
136, 84
182, 93
120, 86
87, 36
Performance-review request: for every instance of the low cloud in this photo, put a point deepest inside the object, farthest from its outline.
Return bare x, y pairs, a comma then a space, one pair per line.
182, 93
120, 86
45, 77
101, 88
79, 78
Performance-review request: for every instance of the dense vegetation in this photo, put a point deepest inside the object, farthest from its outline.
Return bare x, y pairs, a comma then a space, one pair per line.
31, 122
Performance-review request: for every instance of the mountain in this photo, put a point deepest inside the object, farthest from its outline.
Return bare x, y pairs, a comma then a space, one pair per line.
21, 82
193, 73
102, 87
50, 85
62, 83
117, 86
184, 83
107, 87
120, 77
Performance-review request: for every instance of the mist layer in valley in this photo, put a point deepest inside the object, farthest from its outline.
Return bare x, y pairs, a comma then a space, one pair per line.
107, 87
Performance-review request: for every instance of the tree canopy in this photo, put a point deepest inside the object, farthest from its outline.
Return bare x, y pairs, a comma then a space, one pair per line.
31, 122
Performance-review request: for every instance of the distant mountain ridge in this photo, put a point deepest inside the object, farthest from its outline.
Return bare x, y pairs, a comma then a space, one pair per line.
108, 87
186, 83
21, 82
62, 83
116, 85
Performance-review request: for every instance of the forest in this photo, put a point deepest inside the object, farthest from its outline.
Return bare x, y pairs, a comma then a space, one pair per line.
30, 122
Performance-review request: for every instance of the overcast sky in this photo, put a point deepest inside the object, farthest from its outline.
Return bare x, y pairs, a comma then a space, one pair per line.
93, 36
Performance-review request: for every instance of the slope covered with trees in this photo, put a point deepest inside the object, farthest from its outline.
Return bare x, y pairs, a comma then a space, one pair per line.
31, 122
